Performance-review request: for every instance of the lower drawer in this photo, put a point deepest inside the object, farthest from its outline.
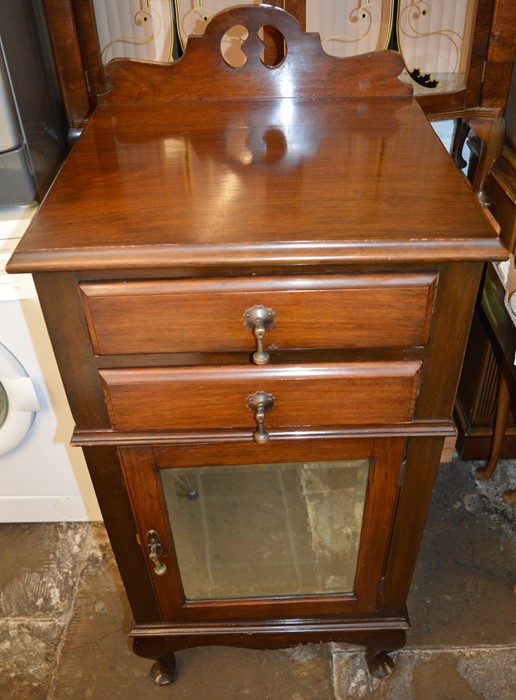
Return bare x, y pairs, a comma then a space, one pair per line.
198, 398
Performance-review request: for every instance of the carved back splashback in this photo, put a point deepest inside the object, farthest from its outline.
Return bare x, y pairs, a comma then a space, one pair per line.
206, 73
433, 37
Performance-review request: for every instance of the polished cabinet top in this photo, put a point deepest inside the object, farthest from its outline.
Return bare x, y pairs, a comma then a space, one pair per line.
166, 176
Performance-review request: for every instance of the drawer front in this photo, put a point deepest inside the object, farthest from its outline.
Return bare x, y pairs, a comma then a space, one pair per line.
203, 398
177, 316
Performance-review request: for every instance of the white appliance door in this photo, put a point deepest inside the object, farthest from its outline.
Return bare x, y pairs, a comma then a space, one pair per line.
18, 401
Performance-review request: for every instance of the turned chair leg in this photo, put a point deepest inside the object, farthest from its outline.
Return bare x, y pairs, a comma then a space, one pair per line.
460, 134
502, 414
491, 133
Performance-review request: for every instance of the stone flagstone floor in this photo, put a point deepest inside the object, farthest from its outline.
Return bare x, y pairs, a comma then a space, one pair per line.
64, 618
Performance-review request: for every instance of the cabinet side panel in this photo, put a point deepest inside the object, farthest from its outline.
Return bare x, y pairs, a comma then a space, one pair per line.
421, 468
64, 316
455, 300
116, 510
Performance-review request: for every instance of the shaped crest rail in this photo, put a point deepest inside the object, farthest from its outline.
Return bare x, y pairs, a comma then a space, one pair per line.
305, 71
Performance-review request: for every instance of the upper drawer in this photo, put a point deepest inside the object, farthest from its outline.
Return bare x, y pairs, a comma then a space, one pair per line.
172, 316
203, 398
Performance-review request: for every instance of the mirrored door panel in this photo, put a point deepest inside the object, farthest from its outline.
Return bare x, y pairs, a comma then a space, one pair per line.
293, 527
267, 529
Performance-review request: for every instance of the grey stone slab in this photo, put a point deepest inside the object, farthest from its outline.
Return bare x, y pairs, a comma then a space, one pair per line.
473, 674
96, 661
462, 589
28, 657
40, 565
490, 491
64, 619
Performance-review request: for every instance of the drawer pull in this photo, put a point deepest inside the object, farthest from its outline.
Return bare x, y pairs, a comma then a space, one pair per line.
260, 402
258, 319
155, 550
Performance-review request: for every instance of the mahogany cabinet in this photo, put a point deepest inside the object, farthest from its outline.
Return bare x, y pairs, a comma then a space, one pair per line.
478, 394
259, 282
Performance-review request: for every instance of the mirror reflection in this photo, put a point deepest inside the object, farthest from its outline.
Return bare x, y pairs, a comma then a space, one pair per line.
267, 529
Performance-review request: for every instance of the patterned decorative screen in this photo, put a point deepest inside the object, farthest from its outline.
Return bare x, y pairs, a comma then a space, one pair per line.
141, 29
433, 36
350, 27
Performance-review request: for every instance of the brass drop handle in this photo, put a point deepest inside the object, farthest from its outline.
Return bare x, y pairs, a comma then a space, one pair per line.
258, 319
154, 552
260, 402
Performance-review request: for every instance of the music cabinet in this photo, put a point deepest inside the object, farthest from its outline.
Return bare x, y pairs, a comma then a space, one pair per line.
258, 282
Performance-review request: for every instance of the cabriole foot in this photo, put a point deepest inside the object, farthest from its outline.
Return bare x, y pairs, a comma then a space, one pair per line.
164, 670
380, 665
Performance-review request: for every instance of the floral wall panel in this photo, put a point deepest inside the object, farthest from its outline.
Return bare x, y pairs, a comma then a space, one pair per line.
434, 38
193, 15
142, 29
350, 27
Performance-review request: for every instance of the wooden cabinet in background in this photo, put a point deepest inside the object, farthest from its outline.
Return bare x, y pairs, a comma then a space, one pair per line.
478, 393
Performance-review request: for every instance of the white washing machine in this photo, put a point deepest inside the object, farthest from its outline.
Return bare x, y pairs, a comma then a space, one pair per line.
42, 478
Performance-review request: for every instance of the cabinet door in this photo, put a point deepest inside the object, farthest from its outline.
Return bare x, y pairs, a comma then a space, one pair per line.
287, 529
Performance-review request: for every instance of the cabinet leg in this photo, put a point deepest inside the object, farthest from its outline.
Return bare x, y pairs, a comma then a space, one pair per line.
380, 664
163, 671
